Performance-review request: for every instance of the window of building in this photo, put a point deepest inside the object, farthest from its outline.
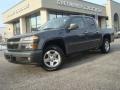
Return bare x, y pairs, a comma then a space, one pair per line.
16, 27
33, 23
59, 15
52, 16
56, 15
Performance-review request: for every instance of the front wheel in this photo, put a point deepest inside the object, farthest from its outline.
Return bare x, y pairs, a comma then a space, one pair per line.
105, 46
53, 58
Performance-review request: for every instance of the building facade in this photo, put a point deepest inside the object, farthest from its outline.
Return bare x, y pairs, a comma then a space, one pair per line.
3, 36
28, 15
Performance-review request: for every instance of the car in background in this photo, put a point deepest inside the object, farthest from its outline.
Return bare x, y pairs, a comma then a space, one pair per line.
117, 34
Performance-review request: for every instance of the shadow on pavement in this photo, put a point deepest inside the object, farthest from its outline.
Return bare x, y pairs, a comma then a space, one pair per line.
83, 57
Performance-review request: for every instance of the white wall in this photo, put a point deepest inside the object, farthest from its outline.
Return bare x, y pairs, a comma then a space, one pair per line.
112, 7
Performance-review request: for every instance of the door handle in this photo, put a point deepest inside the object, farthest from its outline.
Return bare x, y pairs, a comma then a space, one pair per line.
97, 32
86, 32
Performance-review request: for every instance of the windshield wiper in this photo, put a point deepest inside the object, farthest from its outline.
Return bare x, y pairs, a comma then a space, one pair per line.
48, 28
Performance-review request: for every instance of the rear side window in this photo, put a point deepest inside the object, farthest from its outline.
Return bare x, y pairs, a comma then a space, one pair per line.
79, 22
91, 24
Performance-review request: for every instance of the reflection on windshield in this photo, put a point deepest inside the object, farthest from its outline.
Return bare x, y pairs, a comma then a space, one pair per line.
54, 24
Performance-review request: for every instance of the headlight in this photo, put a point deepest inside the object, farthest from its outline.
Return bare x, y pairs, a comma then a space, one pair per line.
29, 42
32, 38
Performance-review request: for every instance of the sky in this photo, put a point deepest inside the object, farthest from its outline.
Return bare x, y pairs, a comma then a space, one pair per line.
6, 4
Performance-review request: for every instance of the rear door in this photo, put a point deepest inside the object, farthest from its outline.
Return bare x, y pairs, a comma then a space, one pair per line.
92, 33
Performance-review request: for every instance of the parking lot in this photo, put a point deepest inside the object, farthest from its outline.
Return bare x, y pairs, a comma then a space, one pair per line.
88, 71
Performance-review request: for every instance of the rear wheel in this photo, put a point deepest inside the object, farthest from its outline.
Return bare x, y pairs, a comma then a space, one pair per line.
105, 46
53, 58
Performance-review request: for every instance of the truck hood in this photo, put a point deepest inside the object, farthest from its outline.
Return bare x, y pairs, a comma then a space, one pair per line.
28, 34
37, 33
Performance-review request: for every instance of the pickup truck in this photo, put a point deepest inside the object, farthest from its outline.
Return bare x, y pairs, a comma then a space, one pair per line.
58, 38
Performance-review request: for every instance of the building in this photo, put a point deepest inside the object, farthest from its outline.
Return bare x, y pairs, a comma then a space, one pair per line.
0, 37
3, 34
28, 15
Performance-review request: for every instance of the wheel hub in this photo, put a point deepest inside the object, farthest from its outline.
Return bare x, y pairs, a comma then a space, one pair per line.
52, 58
107, 46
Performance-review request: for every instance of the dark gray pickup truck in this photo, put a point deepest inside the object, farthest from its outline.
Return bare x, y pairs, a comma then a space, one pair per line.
58, 38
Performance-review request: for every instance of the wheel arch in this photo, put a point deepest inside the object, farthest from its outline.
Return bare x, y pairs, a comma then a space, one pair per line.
56, 41
107, 36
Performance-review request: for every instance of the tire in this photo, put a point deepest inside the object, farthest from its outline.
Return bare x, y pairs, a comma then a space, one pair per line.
105, 46
53, 58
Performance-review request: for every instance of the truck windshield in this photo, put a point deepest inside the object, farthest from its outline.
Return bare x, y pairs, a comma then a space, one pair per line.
54, 23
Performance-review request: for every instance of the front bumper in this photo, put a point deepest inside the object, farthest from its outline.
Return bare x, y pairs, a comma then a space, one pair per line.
35, 56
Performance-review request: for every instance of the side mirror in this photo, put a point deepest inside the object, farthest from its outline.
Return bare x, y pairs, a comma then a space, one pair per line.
73, 27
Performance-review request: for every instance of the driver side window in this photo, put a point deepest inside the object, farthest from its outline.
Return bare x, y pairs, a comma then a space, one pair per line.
78, 21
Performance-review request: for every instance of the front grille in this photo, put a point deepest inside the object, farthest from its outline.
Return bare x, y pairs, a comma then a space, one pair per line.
13, 40
12, 45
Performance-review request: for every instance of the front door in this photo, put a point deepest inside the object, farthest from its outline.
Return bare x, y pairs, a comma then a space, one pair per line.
76, 39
